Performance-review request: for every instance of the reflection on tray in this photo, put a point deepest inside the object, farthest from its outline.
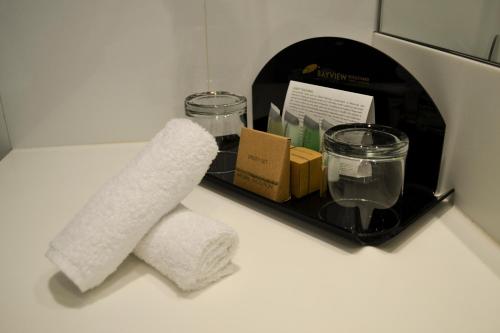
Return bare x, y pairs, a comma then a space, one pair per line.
325, 213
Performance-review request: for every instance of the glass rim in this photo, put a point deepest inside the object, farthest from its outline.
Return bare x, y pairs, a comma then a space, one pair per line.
396, 149
237, 104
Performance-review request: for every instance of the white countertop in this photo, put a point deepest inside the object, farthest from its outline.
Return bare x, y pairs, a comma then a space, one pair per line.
441, 275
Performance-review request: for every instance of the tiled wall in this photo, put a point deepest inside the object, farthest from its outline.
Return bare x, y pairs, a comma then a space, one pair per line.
78, 72
4, 134
467, 94
467, 26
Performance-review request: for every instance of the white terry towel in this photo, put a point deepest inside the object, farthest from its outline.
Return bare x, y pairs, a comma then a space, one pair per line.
115, 219
191, 250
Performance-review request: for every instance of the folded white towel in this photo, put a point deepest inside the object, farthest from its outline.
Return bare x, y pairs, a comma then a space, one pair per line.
115, 219
191, 250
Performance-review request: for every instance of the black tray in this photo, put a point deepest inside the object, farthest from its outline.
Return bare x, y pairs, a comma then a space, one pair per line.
400, 102
322, 212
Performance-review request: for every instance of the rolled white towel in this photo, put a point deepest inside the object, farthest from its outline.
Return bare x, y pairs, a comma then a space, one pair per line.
191, 250
114, 220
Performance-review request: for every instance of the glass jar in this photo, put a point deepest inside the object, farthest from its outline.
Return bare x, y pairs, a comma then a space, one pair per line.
366, 164
222, 114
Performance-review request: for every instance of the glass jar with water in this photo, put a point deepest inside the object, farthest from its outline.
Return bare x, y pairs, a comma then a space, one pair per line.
366, 166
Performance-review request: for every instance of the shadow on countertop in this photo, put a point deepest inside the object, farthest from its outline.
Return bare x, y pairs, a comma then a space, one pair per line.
67, 294
397, 243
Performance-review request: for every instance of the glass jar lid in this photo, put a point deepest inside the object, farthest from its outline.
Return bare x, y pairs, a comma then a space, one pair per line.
366, 141
213, 103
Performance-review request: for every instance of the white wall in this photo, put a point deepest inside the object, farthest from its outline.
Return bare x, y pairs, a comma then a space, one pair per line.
4, 134
78, 72
243, 35
467, 94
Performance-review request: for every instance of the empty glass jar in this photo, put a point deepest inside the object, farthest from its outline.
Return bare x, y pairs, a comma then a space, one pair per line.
222, 114
366, 164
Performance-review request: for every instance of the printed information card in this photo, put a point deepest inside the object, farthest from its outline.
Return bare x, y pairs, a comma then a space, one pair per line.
333, 105
336, 107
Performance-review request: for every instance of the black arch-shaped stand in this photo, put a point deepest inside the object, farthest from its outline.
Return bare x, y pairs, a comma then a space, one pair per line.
400, 102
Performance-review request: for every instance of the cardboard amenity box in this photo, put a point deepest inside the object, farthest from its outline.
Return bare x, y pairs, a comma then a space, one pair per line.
263, 164
305, 171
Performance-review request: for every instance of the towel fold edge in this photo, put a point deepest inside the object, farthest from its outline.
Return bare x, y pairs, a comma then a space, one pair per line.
70, 270
206, 281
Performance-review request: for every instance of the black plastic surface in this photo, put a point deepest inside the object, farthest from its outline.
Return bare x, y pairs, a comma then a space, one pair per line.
400, 102
324, 213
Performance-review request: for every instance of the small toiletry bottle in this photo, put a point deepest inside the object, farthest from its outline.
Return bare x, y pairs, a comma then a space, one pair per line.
274, 122
292, 129
311, 134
